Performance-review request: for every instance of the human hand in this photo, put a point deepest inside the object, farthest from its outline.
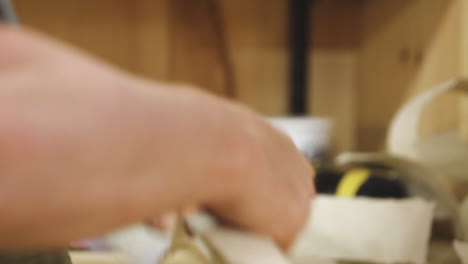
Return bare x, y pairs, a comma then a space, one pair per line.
104, 148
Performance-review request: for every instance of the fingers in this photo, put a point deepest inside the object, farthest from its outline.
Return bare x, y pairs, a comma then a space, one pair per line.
164, 222
167, 221
280, 201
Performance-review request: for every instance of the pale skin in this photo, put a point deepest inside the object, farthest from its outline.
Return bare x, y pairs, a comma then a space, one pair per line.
86, 148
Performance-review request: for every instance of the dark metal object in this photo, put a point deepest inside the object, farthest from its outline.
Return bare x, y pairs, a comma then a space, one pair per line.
52, 257
382, 183
7, 12
299, 30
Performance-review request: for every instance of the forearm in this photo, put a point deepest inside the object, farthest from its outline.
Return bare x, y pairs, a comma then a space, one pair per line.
74, 172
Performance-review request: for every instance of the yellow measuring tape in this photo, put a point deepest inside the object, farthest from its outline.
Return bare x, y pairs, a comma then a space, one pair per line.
351, 182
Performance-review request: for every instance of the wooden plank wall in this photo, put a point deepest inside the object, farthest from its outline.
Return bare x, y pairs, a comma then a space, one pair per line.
367, 56
256, 33
336, 29
408, 46
232, 48
463, 120
235, 48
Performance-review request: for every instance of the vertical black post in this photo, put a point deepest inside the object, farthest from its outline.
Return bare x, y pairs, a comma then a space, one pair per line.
299, 15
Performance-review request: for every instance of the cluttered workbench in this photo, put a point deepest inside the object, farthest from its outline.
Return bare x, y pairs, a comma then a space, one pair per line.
378, 208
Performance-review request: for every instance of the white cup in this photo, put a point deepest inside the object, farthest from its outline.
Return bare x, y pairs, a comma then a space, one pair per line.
311, 135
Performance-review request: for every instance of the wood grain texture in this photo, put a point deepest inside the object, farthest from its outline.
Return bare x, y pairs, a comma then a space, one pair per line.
198, 49
463, 118
384, 70
104, 28
152, 36
256, 35
334, 67
367, 57
333, 95
336, 24
407, 47
232, 48
133, 35
439, 62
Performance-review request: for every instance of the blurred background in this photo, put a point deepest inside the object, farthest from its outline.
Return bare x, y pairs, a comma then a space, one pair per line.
354, 61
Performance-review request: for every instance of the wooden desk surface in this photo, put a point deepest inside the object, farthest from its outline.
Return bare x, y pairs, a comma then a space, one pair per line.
440, 252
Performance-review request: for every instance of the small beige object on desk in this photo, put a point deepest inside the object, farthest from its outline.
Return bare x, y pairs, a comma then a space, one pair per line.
183, 248
86, 257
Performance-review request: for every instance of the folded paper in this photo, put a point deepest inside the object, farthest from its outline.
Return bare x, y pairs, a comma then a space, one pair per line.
367, 230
